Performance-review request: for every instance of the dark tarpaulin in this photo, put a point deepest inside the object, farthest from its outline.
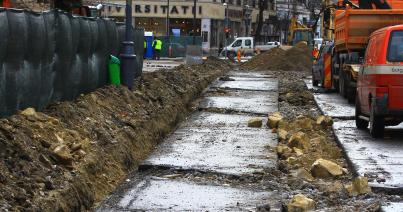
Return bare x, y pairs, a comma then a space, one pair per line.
54, 56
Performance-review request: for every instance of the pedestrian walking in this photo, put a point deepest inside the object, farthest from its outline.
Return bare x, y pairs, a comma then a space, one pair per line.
157, 46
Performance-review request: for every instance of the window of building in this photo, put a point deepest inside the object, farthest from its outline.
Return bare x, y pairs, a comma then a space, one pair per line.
238, 2
205, 36
230, 1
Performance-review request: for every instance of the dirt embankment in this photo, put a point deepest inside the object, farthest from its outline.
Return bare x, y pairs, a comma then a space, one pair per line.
73, 154
298, 58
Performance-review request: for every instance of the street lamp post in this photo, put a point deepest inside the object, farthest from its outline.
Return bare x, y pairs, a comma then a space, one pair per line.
167, 18
226, 28
127, 56
168, 33
194, 22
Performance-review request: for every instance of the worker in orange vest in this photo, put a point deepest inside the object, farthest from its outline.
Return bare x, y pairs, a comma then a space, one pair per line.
315, 53
238, 55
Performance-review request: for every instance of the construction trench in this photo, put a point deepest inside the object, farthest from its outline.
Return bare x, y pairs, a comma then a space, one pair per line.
191, 138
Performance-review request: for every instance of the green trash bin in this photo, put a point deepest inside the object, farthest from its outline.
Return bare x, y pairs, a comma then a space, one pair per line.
114, 70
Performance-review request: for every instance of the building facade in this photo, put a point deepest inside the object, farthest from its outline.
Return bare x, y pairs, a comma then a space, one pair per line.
210, 18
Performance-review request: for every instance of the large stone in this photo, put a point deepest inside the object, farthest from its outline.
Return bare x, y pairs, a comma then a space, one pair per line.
299, 140
303, 174
29, 112
283, 149
297, 151
359, 186
255, 122
62, 154
300, 203
282, 134
324, 121
304, 123
322, 168
274, 120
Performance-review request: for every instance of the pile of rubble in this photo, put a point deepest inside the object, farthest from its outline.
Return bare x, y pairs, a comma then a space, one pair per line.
307, 152
297, 58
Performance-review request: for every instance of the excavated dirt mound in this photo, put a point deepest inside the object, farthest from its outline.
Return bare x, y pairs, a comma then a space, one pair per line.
74, 153
298, 58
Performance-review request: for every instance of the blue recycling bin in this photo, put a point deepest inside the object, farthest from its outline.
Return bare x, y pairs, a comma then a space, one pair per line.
149, 52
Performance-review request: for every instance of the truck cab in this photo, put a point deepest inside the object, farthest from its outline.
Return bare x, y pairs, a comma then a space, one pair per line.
379, 99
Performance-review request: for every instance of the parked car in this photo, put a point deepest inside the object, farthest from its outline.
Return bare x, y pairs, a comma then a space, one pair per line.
248, 46
322, 67
273, 44
379, 97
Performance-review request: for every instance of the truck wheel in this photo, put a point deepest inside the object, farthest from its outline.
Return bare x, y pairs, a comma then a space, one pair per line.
342, 87
335, 85
359, 123
376, 124
314, 81
350, 94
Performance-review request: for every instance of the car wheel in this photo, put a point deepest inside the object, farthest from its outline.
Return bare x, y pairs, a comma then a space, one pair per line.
350, 91
376, 124
359, 123
315, 82
341, 85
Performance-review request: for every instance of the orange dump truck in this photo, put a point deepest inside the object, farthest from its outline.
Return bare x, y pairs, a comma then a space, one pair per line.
352, 29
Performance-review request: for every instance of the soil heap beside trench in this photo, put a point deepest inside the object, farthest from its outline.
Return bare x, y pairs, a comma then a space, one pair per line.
298, 58
74, 153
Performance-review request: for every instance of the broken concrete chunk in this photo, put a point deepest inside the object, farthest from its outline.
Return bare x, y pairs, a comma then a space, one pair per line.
283, 149
29, 112
304, 123
322, 168
62, 153
282, 134
255, 122
76, 146
301, 203
303, 174
292, 160
324, 121
297, 151
299, 140
359, 186
274, 119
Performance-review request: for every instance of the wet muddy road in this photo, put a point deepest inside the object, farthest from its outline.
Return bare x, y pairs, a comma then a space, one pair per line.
204, 163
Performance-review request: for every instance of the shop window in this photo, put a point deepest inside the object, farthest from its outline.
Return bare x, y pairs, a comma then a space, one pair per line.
205, 36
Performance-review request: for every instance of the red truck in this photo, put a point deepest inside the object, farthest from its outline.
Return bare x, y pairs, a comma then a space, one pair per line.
379, 99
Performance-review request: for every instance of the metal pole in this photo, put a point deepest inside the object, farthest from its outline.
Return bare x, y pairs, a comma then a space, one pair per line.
194, 22
168, 18
226, 28
127, 56
168, 33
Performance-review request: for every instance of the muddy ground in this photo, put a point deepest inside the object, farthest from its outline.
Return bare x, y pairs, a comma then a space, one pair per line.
68, 157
